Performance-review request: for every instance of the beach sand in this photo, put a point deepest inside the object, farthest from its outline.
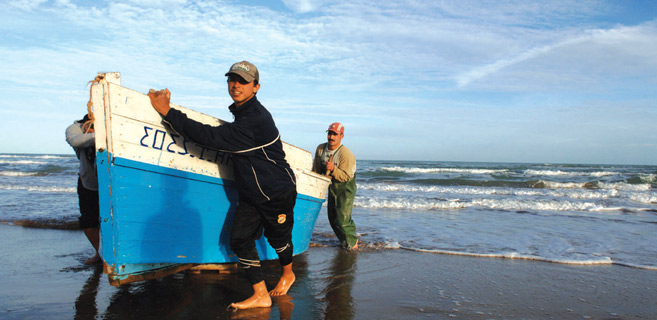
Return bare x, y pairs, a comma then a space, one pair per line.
44, 277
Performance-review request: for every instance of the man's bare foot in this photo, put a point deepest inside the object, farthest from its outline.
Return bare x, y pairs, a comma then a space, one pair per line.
259, 299
286, 281
93, 260
355, 247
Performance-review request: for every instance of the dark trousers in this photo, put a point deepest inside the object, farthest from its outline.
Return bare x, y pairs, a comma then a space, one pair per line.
277, 218
89, 207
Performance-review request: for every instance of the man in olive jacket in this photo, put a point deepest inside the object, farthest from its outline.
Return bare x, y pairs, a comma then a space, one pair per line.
337, 161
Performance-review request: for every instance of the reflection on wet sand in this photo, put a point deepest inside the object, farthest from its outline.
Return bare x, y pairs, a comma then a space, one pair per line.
337, 292
285, 306
85, 304
184, 295
254, 313
206, 295
181, 295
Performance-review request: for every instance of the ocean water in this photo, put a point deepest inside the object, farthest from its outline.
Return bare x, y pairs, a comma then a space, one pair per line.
572, 214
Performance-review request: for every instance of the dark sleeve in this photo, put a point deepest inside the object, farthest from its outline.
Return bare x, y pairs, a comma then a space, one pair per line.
228, 136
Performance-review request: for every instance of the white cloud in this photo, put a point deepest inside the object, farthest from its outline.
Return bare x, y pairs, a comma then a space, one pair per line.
303, 6
26, 4
166, 4
486, 70
591, 54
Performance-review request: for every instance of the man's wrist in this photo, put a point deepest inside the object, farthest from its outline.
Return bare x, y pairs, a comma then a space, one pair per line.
164, 111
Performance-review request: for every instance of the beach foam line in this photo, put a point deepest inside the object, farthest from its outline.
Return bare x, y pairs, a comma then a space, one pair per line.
516, 256
444, 170
635, 266
18, 174
33, 156
578, 192
58, 224
22, 162
624, 186
40, 189
534, 172
510, 204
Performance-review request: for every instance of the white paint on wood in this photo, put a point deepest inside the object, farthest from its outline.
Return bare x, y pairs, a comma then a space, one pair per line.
135, 131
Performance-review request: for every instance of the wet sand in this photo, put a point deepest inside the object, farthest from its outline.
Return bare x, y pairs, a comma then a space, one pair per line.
44, 277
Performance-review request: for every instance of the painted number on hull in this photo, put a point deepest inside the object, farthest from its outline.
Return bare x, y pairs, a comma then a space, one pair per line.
157, 139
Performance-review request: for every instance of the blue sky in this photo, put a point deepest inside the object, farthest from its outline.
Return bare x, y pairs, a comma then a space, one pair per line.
503, 81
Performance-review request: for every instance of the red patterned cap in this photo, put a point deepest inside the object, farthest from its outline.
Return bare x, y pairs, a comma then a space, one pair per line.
336, 127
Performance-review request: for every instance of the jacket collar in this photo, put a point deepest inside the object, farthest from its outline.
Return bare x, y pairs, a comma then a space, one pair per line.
247, 105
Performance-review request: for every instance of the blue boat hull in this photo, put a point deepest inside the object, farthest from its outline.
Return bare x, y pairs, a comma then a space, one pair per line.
166, 203
155, 218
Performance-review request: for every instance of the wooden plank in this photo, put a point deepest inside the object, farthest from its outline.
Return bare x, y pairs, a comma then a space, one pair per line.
214, 267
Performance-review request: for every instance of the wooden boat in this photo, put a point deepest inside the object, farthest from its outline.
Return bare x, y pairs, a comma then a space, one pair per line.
167, 204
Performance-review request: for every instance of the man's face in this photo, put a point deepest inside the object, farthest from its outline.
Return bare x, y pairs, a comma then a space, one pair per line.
240, 90
334, 139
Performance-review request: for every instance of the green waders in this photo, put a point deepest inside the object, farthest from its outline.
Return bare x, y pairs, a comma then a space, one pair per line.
340, 201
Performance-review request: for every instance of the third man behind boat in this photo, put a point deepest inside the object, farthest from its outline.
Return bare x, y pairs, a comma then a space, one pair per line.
338, 162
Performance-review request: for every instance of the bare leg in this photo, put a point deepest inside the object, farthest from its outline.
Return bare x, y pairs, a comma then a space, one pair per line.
259, 299
286, 281
93, 234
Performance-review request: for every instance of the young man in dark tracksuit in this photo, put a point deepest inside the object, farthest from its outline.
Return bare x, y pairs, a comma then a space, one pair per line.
266, 184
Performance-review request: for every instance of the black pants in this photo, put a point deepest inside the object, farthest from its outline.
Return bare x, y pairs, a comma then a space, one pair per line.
277, 218
89, 207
